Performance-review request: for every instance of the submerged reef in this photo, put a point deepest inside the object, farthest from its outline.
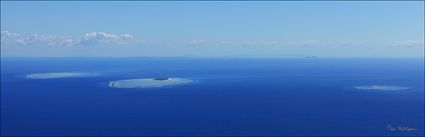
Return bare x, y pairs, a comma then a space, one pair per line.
381, 88
148, 82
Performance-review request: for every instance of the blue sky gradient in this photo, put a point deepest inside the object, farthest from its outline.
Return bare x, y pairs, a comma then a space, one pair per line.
212, 29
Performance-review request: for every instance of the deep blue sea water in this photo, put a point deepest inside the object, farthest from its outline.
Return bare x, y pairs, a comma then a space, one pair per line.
229, 97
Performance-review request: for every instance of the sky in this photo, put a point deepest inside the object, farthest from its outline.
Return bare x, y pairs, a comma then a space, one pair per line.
212, 29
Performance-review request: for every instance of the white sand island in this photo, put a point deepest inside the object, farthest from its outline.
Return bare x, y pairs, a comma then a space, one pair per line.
148, 82
381, 88
58, 75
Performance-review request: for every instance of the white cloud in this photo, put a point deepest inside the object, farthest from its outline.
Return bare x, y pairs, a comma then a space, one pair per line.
95, 38
127, 36
49, 40
306, 42
9, 38
88, 39
196, 42
247, 42
410, 43
260, 42
98, 36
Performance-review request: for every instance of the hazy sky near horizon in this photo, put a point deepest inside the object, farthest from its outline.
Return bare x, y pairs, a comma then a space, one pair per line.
212, 29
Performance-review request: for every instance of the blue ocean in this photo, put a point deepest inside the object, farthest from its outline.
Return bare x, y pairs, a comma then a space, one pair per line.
228, 97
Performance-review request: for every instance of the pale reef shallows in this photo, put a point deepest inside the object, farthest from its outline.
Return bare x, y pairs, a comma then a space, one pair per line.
381, 88
148, 82
58, 75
